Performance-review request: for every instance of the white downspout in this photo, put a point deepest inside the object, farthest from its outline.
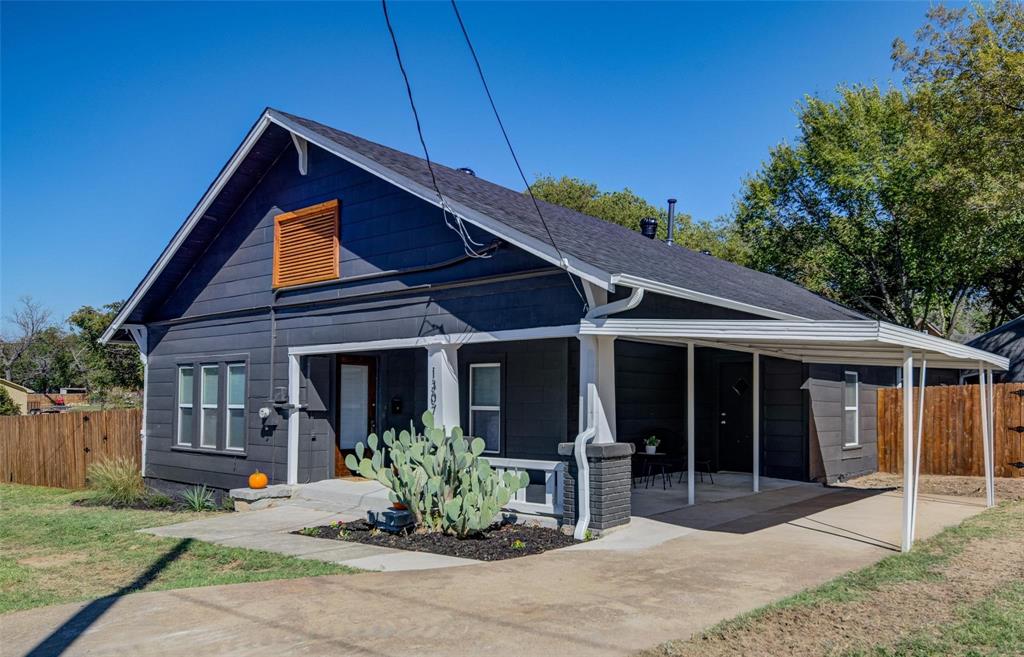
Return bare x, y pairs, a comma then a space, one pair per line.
622, 305
587, 434
583, 469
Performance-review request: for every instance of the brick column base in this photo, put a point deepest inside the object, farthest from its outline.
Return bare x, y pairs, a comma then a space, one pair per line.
610, 478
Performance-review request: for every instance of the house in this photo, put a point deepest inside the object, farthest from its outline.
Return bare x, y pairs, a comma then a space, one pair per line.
318, 292
18, 393
1006, 340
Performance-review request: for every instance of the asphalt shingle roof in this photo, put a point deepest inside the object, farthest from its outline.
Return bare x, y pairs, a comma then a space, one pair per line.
609, 247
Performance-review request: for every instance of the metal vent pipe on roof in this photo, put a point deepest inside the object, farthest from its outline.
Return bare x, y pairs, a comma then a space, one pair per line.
671, 220
649, 227
468, 171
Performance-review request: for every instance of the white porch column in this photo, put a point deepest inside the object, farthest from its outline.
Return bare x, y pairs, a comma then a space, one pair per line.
992, 433
690, 424
908, 449
443, 384
922, 385
293, 419
597, 371
757, 422
983, 394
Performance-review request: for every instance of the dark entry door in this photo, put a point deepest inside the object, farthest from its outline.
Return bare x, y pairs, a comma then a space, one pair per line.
357, 406
735, 417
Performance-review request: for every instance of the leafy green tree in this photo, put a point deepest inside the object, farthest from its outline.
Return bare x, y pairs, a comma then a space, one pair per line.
7, 405
626, 208
104, 366
49, 363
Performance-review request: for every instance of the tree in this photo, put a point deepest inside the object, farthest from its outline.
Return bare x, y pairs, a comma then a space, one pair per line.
7, 405
968, 64
626, 208
104, 366
28, 321
50, 362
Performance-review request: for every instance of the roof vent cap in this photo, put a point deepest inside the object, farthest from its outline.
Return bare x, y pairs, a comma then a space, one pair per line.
649, 227
468, 171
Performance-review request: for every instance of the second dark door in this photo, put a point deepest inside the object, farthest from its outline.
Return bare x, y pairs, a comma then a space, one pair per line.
735, 416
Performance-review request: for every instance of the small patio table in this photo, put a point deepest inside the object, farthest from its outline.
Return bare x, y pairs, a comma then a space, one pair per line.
649, 463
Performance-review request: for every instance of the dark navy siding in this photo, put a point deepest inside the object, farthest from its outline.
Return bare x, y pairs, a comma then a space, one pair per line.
784, 449
650, 395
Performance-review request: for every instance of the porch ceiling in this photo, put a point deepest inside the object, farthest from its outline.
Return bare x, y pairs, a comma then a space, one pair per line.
855, 342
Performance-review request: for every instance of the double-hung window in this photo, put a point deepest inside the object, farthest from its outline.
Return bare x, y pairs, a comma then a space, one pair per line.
186, 374
851, 414
485, 404
211, 396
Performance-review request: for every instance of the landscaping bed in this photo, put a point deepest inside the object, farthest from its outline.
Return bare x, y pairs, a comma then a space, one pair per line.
500, 541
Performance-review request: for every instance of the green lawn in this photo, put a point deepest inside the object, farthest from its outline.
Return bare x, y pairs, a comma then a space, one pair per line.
53, 552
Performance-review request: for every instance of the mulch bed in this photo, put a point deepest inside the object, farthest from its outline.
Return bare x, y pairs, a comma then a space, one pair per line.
494, 544
141, 505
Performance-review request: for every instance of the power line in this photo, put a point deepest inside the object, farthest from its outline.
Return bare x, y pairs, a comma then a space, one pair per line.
468, 242
479, 69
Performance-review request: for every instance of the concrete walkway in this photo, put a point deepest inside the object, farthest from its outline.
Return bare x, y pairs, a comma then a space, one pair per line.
717, 560
271, 530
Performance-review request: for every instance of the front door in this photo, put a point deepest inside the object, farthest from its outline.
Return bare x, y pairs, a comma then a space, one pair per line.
735, 417
357, 406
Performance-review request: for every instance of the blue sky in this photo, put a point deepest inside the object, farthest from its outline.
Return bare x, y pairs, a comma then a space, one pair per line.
114, 118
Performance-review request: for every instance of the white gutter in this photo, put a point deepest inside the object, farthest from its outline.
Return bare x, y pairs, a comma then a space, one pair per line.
583, 470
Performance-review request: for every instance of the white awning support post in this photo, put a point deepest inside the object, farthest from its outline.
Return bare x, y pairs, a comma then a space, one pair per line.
756, 470
597, 370
920, 436
443, 385
293, 419
992, 434
983, 395
908, 449
690, 424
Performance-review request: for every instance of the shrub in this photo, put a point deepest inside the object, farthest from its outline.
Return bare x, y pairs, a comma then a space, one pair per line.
199, 498
159, 500
7, 404
118, 482
440, 478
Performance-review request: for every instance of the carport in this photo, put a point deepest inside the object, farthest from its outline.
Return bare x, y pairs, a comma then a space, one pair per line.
853, 342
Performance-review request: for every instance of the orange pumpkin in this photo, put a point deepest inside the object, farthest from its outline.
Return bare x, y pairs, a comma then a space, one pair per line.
257, 480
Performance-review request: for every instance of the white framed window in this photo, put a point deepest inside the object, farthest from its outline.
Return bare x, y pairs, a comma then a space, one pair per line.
851, 414
208, 396
485, 404
235, 427
186, 385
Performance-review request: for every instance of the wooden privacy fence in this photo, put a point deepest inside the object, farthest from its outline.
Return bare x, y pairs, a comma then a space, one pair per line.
951, 442
55, 449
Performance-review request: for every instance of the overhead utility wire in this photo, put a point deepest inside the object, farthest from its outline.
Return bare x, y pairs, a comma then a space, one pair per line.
479, 69
469, 244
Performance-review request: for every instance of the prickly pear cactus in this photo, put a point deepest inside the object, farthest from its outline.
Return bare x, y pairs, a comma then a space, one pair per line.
441, 479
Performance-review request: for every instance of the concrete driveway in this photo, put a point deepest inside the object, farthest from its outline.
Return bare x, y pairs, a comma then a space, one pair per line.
609, 597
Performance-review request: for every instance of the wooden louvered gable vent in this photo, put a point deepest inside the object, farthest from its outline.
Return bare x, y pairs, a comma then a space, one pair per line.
306, 245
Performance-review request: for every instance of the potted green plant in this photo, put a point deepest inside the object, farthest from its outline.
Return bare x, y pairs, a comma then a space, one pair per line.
652, 443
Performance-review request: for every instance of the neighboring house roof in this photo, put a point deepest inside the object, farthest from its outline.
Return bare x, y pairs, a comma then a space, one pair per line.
599, 251
11, 384
1006, 340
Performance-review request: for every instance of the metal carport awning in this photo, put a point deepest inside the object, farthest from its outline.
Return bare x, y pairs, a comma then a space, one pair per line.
845, 342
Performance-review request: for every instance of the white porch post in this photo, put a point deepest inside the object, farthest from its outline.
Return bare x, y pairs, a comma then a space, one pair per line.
986, 444
920, 436
908, 449
597, 371
690, 424
992, 433
293, 419
756, 475
443, 384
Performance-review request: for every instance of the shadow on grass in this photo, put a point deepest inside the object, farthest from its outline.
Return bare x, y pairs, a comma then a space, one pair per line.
61, 638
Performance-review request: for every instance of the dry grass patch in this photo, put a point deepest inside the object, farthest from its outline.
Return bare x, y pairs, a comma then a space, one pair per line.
958, 593
1006, 488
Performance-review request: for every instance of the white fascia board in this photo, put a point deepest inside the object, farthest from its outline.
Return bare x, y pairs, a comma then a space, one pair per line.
179, 237
684, 293
810, 341
536, 333
530, 244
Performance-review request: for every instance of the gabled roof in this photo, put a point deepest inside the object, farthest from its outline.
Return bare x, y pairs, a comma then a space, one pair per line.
603, 253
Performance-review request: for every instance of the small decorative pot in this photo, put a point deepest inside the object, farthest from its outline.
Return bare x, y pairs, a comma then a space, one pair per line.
398, 506
257, 480
652, 449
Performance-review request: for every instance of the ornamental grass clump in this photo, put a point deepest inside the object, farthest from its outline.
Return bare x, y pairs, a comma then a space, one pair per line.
117, 482
440, 478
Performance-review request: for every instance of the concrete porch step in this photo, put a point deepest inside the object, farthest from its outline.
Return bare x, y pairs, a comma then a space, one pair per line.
348, 496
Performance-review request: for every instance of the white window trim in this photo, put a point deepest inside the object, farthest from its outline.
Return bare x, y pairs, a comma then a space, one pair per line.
476, 407
855, 408
203, 406
181, 405
230, 407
